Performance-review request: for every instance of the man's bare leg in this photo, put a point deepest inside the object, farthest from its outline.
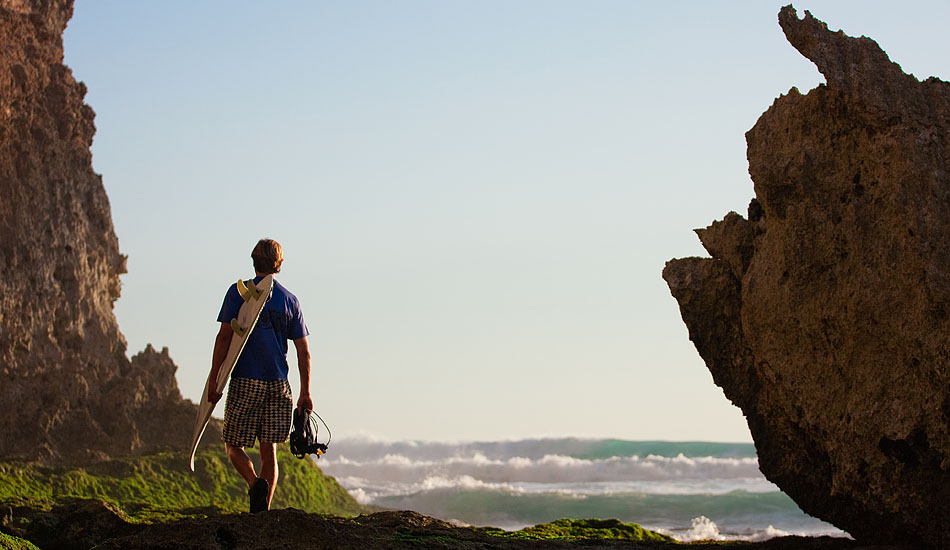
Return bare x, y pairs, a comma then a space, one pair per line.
269, 467
242, 463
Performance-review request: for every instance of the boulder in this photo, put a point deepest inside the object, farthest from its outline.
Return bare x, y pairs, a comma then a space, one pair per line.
825, 313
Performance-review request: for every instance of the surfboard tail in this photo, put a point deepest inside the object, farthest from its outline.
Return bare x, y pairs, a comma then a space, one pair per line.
194, 450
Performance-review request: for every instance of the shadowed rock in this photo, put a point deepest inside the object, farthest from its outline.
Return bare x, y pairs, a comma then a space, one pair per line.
93, 524
67, 389
824, 315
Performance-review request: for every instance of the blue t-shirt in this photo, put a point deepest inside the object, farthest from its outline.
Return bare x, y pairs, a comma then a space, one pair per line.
265, 354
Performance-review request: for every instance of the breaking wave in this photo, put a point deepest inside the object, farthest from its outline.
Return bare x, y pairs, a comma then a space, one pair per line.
691, 491
652, 474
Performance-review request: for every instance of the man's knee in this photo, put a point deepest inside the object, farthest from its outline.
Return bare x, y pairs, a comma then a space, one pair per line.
231, 449
268, 450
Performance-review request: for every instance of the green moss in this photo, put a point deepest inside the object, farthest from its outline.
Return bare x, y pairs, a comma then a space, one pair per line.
160, 487
9, 542
577, 529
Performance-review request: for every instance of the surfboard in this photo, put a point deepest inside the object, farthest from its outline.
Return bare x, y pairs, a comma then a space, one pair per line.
255, 296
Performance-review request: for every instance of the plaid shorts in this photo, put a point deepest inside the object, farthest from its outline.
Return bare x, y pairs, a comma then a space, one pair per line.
257, 409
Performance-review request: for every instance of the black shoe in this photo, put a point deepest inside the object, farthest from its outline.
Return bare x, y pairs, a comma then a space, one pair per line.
258, 495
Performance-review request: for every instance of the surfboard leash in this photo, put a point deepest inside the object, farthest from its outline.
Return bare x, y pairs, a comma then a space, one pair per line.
303, 438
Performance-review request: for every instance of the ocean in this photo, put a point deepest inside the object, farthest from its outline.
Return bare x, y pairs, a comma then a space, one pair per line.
688, 490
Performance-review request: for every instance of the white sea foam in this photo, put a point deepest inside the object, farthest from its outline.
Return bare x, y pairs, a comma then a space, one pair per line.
362, 496
703, 528
513, 484
410, 468
654, 474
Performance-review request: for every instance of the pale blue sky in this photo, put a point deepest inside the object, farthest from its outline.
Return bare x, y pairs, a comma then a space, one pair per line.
475, 199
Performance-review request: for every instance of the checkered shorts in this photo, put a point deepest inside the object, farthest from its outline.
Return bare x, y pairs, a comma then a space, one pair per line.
257, 409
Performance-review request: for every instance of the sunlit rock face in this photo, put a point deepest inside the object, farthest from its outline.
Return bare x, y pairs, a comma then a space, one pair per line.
67, 389
825, 313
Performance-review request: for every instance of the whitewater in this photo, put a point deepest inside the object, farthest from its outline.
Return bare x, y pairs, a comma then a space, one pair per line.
688, 490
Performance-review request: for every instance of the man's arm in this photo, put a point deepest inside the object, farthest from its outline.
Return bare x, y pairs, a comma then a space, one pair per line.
304, 402
221, 344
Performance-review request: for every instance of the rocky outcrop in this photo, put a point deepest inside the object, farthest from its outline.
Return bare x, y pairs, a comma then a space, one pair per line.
82, 524
67, 389
825, 314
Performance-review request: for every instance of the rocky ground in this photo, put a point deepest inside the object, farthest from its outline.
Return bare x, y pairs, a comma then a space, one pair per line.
82, 524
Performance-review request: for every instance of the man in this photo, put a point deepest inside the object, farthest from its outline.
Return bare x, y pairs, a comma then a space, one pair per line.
259, 403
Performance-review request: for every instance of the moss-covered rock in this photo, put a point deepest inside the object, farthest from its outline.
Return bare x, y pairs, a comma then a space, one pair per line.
160, 487
9, 542
584, 529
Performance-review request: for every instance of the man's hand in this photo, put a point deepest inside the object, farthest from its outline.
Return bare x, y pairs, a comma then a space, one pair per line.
213, 395
304, 402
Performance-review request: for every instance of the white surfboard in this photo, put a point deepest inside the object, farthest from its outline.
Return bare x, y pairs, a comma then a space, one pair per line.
255, 296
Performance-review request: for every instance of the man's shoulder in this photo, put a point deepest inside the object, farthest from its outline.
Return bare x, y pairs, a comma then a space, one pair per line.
232, 292
284, 293
231, 304
281, 288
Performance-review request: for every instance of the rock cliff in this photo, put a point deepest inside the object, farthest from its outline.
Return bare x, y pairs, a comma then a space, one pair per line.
67, 389
825, 313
